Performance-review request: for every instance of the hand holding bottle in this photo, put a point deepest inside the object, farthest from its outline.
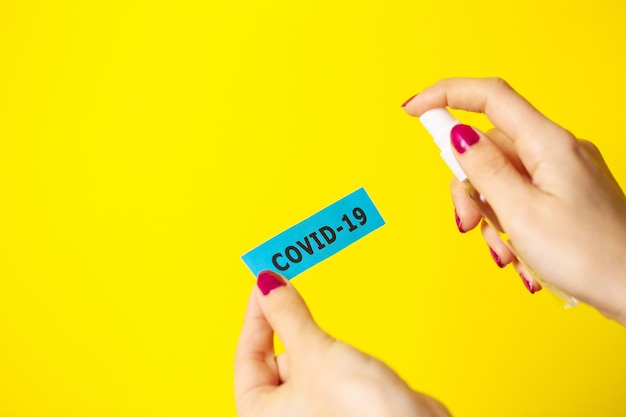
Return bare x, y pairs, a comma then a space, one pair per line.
552, 193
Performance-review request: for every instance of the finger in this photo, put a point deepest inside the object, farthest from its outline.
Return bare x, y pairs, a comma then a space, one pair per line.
254, 359
527, 277
512, 114
282, 361
508, 111
507, 146
490, 171
500, 252
466, 213
288, 314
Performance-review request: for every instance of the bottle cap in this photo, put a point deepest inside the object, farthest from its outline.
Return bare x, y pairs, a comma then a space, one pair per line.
439, 122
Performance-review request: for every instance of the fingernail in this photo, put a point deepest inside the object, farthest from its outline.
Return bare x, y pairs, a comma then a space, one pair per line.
459, 222
528, 284
268, 281
409, 100
496, 257
463, 136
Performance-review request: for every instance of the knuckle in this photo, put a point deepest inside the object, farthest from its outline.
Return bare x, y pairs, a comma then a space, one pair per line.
566, 143
498, 84
590, 147
446, 81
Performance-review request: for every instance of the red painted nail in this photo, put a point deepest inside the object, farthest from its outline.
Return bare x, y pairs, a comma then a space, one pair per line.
463, 136
268, 281
496, 257
528, 284
409, 100
459, 222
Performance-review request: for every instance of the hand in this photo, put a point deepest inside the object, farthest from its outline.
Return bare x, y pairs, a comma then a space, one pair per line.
317, 376
552, 193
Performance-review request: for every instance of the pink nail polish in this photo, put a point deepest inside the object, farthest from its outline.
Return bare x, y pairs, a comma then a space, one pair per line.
409, 100
268, 281
496, 257
463, 136
528, 284
459, 222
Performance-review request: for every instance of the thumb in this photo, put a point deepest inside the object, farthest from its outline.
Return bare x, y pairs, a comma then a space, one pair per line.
490, 171
287, 313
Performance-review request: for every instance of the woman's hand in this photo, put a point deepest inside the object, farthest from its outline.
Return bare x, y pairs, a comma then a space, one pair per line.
553, 194
317, 376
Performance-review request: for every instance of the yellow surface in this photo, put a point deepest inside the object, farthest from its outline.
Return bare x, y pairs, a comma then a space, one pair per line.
145, 146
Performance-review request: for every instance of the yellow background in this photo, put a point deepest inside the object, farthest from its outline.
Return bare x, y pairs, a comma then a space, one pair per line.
145, 146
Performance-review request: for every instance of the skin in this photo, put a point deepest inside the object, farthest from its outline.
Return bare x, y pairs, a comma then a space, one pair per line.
317, 376
552, 193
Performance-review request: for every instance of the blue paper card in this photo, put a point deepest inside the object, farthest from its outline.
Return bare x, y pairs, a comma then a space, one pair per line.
318, 237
